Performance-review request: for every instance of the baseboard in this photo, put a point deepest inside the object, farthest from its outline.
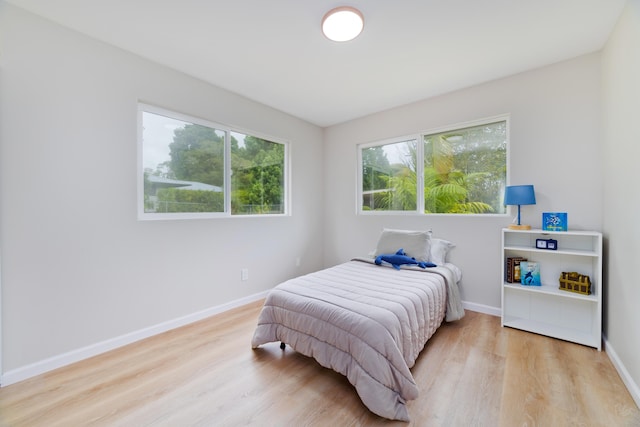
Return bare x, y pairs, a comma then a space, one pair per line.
631, 385
55, 362
480, 308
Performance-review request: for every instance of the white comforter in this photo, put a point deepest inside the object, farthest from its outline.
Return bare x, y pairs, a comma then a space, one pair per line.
364, 321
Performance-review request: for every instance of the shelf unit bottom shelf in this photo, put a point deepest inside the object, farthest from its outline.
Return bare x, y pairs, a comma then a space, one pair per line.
553, 331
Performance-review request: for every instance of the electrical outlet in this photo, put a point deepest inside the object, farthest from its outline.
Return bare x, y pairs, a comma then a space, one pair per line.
298, 262
244, 274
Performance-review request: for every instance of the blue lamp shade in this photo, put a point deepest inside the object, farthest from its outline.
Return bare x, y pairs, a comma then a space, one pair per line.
519, 195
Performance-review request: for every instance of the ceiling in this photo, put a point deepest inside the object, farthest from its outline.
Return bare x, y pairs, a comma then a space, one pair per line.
273, 51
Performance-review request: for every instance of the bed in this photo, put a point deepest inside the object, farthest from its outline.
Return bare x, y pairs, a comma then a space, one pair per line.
368, 322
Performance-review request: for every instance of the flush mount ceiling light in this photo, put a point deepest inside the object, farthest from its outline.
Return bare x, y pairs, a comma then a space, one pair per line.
342, 24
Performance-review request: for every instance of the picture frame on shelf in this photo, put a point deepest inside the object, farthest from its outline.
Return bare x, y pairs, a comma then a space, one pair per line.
530, 273
554, 221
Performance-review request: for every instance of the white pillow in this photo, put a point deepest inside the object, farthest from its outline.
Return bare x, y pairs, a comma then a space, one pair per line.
439, 250
416, 244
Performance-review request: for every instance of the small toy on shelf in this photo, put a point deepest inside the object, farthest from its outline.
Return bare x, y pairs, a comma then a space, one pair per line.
575, 282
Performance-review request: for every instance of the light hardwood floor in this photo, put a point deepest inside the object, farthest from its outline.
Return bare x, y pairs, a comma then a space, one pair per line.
471, 373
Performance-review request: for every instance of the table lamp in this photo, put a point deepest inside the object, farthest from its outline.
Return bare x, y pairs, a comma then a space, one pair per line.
519, 195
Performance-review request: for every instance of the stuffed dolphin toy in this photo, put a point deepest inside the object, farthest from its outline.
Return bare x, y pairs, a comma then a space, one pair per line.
401, 258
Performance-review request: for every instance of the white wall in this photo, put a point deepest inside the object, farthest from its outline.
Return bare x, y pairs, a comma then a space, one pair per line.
77, 267
555, 145
621, 152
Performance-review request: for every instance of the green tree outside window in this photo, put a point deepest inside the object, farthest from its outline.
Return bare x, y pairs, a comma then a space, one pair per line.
464, 172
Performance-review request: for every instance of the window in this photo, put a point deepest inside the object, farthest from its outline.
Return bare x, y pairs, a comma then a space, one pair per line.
192, 168
389, 176
457, 171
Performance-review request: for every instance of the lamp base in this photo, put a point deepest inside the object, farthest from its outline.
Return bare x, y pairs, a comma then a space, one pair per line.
519, 227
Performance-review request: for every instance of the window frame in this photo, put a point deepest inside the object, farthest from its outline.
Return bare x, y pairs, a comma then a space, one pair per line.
228, 130
419, 138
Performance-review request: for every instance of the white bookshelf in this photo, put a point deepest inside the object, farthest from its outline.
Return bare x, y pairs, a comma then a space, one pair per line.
546, 309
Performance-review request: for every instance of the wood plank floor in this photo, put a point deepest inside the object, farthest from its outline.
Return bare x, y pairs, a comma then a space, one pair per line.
471, 373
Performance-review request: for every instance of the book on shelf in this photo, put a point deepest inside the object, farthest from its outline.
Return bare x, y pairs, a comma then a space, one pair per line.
512, 269
517, 269
530, 273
